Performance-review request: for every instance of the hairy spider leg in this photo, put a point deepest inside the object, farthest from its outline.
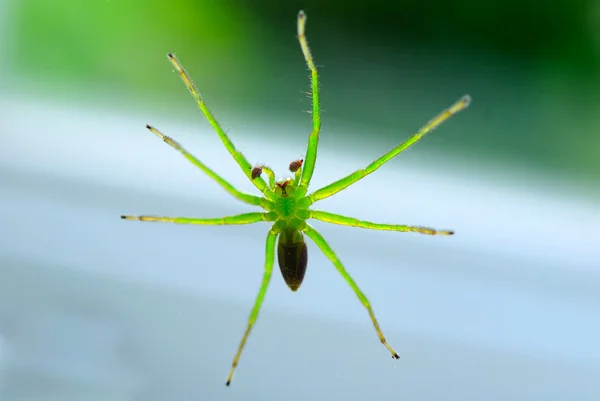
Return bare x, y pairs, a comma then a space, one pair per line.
245, 218
259, 182
297, 175
269, 260
244, 197
353, 222
326, 249
345, 182
313, 140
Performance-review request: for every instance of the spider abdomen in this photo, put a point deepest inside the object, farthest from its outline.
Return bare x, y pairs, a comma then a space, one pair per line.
292, 255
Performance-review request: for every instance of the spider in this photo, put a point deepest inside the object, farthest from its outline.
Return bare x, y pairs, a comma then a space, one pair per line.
287, 202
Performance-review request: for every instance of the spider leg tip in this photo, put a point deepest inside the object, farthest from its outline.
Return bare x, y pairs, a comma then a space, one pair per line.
396, 356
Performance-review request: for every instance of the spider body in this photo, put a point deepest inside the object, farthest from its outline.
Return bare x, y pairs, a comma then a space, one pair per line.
291, 211
287, 203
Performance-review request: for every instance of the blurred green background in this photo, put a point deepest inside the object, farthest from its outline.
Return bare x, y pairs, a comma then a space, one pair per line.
533, 69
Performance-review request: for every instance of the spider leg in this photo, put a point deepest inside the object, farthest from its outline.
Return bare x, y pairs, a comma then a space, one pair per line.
269, 260
237, 155
351, 221
313, 140
244, 197
259, 169
339, 185
246, 218
326, 249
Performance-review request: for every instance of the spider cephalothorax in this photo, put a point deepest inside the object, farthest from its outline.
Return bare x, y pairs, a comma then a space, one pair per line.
287, 202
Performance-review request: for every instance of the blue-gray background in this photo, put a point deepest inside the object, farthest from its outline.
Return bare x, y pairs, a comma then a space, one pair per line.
94, 308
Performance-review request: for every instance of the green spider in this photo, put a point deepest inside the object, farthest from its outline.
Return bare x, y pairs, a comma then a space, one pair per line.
286, 201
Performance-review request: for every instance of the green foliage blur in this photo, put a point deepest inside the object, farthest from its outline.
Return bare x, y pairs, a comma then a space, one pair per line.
532, 68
